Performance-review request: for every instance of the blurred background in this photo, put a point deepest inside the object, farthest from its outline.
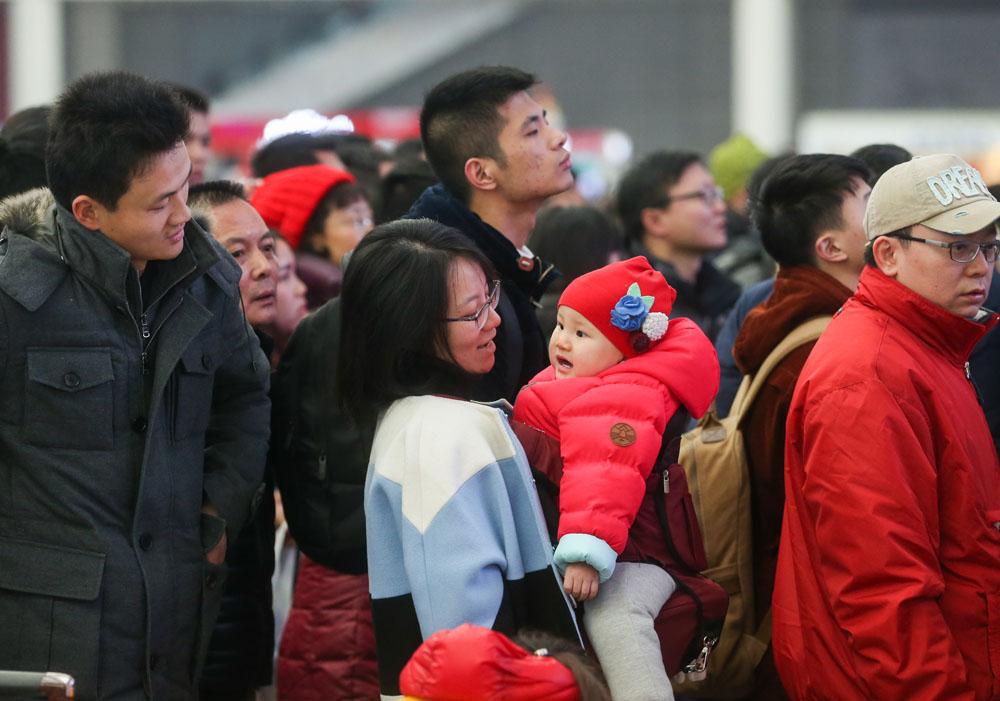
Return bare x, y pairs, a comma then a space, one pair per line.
625, 77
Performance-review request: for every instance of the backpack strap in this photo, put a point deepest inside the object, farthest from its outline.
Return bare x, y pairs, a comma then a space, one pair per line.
803, 333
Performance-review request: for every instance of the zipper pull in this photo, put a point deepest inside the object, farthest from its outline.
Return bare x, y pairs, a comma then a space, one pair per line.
144, 322
666, 482
968, 373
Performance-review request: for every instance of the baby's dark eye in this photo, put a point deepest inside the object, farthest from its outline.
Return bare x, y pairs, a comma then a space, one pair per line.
581, 334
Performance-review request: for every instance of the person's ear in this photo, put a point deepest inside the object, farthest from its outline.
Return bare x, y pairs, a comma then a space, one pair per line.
652, 219
479, 172
828, 248
88, 211
886, 252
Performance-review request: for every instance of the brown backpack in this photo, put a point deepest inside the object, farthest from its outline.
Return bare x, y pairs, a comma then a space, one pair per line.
713, 455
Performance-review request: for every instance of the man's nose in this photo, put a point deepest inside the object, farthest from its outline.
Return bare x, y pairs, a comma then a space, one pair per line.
979, 265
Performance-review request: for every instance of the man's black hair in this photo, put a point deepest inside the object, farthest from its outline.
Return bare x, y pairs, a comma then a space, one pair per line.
460, 120
800, 198
576, 240
21, 170
645, 185
27, 130
880, 158
105, 130
401, 187
215, 193
289, 151
194, 100
393, 308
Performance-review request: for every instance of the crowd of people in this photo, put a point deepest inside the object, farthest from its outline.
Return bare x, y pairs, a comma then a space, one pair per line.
370, 424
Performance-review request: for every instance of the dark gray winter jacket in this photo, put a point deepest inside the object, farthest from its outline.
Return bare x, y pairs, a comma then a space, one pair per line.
119, 418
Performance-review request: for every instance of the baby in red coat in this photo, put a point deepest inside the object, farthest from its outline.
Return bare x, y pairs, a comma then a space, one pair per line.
620, 369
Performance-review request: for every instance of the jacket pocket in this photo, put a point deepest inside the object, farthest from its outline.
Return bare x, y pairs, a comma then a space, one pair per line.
69, 398
192, 393
51, 609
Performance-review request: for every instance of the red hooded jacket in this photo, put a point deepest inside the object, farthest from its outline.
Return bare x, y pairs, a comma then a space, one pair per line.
604, 471
888, 581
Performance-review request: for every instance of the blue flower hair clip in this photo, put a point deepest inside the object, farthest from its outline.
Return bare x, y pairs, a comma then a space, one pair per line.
631, 313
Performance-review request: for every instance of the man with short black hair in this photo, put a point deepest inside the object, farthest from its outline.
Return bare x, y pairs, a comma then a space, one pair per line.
674, 214
498, 160
234, 223
133, 403
887, 578
810, 214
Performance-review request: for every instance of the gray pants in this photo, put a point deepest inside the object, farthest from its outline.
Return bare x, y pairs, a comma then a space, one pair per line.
619, 623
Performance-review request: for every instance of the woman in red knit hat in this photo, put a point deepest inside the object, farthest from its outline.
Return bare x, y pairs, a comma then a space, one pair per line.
323, 213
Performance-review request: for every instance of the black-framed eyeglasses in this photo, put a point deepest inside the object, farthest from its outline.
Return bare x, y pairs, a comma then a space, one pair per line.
709, 195
960, 251
480, 317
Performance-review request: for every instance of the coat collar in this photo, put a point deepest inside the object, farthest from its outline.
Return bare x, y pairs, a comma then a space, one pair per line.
801, 292
439, 204
936, 327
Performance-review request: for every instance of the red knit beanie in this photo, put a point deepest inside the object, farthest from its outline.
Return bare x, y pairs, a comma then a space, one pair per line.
628, 302
287, 198
472, 663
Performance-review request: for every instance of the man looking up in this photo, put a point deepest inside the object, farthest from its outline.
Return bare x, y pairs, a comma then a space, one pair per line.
133, 404
674, 214
810, 213
498, 160
887, 578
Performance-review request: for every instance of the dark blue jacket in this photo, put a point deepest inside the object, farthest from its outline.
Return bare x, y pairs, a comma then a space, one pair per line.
521, 349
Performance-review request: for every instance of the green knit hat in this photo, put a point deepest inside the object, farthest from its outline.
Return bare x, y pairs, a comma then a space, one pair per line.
733, 162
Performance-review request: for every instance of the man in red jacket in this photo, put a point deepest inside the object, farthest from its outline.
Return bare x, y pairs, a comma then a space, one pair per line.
810, 213
888, 580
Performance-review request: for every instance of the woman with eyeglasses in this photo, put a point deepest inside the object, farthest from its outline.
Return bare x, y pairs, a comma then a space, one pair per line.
455, 531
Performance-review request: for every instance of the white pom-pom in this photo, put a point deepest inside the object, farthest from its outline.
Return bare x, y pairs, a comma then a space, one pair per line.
655, 325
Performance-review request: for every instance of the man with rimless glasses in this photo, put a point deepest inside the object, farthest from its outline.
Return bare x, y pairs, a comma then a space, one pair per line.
675, 215
888, 582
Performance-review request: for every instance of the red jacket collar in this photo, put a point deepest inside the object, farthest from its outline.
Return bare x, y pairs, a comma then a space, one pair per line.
935, 326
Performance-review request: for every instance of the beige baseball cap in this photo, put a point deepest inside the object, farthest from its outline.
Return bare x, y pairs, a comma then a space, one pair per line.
942, 192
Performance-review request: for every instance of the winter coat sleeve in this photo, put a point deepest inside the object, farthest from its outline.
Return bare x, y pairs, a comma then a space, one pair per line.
237, 436
877, 539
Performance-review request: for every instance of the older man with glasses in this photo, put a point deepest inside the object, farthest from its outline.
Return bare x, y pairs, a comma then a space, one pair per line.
888, 583
675, 215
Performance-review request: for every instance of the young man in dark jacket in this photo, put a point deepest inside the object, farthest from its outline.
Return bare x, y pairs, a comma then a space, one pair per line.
133, 404
674, 214
498, 160
810, 212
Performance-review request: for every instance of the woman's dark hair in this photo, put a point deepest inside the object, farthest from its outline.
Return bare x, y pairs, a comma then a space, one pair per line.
337, 197
393, 305
585, 670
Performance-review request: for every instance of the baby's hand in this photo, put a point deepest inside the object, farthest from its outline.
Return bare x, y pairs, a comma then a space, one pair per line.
581, 581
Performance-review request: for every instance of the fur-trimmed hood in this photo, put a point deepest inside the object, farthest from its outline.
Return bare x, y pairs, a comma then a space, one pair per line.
27, 214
